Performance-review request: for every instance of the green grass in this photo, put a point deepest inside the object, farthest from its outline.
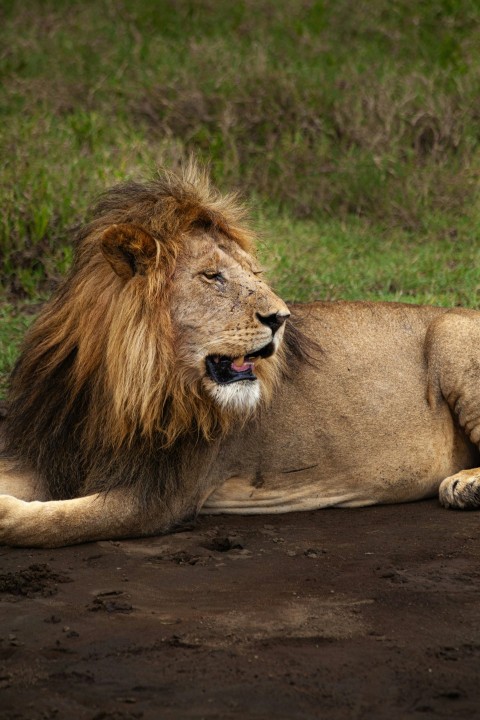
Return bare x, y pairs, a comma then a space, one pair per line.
355, 261
352, 128
12, 327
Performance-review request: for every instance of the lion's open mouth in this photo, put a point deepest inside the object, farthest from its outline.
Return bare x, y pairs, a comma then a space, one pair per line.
224, 370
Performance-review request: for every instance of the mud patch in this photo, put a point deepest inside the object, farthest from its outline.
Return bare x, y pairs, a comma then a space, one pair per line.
36, 579
182, 557
112, 601
224, 544
312, 618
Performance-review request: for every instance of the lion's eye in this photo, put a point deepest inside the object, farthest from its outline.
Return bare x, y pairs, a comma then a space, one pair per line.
215, 276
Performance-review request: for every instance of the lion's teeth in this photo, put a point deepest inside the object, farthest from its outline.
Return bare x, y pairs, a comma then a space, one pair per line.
241, 365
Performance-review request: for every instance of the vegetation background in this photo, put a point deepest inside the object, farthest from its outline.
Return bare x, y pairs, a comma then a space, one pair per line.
352, 128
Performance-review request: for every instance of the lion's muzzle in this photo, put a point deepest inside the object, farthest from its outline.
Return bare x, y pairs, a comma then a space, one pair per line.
224, 370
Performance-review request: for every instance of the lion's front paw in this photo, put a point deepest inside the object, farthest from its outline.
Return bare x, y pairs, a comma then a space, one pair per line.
461, 491
10, 514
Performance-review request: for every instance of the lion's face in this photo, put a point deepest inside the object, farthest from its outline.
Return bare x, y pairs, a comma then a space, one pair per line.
228, 323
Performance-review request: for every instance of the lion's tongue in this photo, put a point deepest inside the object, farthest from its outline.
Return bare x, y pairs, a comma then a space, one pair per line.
239, 365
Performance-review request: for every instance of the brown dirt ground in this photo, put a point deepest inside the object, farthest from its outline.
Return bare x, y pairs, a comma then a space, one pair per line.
336, 614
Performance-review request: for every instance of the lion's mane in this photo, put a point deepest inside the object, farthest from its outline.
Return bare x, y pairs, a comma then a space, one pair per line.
96, 399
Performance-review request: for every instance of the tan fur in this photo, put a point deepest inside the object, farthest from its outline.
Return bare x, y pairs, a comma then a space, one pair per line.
114, 416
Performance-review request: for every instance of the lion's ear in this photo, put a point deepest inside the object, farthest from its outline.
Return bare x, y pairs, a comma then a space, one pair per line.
129, 249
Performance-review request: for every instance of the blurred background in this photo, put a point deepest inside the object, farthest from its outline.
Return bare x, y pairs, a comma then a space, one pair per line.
350, 127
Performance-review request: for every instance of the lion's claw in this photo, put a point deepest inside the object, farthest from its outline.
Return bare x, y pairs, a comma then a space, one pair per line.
461, 491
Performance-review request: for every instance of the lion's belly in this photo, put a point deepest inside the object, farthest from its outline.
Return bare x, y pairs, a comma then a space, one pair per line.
312, 490
239, 496
373, 481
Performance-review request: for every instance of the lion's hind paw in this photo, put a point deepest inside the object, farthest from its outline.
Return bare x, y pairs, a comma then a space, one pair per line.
461, 491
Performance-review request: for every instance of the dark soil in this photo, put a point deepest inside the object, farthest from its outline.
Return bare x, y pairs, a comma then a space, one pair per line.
337, 614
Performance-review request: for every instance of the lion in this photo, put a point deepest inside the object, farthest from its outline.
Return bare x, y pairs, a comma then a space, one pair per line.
165, 378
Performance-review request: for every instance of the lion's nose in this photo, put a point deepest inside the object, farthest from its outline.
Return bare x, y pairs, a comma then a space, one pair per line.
274, 321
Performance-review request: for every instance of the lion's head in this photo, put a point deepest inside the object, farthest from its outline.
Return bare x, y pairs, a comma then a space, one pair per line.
195, 330
163, 326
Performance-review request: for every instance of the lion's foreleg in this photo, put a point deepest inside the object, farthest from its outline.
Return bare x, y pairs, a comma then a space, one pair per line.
454, 370
115, 514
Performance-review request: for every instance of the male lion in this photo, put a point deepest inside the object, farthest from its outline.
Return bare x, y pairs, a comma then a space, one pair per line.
166, 378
